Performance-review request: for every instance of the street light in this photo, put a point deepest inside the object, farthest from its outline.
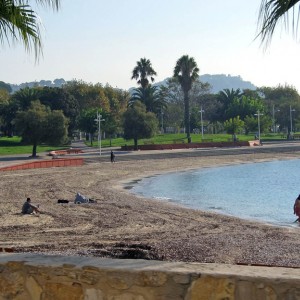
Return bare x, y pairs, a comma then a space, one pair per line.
274, 124
291, 118
201, 111
258, 124
99, 120
162, 121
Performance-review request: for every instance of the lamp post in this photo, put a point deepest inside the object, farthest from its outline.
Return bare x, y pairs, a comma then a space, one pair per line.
258, 124
201, 111
274, 124
162, 121
291, 117
99, 120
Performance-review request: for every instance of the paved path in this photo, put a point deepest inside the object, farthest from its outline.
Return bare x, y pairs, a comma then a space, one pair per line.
92, 154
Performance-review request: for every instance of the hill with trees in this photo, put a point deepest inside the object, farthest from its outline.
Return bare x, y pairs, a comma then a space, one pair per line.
218, 82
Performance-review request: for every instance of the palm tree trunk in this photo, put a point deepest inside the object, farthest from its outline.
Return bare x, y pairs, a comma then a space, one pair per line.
187, 116
34, 150
135, 144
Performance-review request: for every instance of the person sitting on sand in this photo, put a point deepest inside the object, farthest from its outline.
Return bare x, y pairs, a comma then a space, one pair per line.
297, 208
29, 208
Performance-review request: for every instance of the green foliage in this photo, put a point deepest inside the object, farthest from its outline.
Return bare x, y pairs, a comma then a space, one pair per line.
87, 121
243, 106
271, 12
5, 86
150, 97
281, 99
39, 125
61, 99
250, 124
234, 125
138, 123
186, 72
142, 71
20, 23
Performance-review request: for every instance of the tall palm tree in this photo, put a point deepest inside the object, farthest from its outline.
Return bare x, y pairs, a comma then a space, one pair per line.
186, 71
271, 11
142, 71
19, 23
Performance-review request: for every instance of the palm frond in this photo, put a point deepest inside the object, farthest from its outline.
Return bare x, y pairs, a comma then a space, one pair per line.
271, 12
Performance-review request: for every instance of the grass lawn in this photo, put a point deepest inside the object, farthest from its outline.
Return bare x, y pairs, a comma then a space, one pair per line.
13, 145
172, 138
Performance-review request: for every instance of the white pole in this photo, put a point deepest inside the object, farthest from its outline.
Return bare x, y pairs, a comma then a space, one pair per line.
258, 124
201, 111
99, 120
100, 132
273, 119
291, 117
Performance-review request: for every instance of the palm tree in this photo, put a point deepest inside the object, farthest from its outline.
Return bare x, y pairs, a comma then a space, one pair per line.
150, 96
20, 23
142, 71
186, 71
227, 96
271, 11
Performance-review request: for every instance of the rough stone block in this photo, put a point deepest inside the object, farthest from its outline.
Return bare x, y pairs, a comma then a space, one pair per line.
207, 287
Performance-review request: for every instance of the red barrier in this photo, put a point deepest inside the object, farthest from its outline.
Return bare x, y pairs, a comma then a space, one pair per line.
187, 145
63, 162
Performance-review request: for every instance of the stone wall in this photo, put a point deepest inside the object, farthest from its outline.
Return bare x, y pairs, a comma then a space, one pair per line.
33, 277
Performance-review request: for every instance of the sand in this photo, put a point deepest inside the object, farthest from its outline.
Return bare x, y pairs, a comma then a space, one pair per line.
124, 225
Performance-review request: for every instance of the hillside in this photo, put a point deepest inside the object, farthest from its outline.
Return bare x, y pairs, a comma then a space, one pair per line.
217, 81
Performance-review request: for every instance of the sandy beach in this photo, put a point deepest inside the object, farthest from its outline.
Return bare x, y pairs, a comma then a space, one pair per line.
123, 225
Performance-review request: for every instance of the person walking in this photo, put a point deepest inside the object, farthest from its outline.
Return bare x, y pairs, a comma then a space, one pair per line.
112, 157
297, 208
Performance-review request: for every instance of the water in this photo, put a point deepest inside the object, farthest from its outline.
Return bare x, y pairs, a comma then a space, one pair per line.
258, 191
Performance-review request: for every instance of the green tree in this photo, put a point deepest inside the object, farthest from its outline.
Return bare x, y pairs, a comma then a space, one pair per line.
281, 98
20, 23
87, 123
271, 12
187, 72
149, 96
250, 124
244, 106
24, 97
39, 125
5, 86
61, 99
142, 71
138, 123
234, 125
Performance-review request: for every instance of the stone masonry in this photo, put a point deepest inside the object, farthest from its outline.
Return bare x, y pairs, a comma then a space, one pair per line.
34, 277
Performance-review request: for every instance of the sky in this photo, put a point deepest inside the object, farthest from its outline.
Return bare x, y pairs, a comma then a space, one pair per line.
100, 41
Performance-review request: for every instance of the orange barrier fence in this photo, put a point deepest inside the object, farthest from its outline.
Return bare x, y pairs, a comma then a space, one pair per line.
64, 162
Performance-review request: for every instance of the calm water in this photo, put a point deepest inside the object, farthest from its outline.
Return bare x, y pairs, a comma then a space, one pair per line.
258, 191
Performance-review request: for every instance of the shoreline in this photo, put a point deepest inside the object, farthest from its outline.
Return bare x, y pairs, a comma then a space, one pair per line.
124, 225
129, 185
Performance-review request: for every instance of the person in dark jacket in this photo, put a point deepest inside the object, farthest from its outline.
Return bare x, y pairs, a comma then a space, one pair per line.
29, 208
112, 157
